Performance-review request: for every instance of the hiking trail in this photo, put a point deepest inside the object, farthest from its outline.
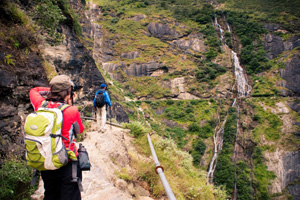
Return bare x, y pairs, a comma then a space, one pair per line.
108, 153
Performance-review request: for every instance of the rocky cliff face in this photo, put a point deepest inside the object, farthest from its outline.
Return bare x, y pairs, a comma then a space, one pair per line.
291, 74
175, 35
73, 59
20, 70
25, 68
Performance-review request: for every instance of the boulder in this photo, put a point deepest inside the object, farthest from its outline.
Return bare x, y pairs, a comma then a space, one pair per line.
291, 74
292, 43
163, 31
194, 42
273, 45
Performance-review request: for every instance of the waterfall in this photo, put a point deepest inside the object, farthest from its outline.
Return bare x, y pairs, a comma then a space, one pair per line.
218, 144
220, 29
243, 90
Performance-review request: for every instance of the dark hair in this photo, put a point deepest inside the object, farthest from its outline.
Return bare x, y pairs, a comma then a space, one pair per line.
58, 95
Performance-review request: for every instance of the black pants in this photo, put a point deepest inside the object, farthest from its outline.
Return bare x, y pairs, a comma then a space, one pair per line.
58, 185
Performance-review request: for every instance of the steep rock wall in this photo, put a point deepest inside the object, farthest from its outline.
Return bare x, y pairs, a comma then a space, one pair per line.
291, 74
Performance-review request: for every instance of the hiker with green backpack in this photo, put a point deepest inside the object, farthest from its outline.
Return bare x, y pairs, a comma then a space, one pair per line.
50, 139
101, 101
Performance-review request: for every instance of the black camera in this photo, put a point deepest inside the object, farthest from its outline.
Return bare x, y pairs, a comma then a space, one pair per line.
75, 88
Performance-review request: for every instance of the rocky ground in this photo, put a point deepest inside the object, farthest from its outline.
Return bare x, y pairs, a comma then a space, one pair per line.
108, 153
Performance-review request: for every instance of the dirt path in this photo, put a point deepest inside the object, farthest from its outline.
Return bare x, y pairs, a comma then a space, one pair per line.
108, 153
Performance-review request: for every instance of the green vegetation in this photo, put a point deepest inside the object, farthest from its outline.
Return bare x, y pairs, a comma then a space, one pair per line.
8, 59
265, 85
225, 173
123, 174
184, 127
244, 188
208, 71
262, 175
199, 148
186, 181
269, 124
137, 128
15, 177
281, 12
49, 16
253, 55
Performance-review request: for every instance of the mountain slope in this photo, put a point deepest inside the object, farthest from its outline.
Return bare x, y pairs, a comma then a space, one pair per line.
170, 66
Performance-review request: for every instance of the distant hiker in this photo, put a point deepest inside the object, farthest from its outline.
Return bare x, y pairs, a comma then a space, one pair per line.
101, 101
59, 183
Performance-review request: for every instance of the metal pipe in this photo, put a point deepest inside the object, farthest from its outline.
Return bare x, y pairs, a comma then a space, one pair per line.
160, 172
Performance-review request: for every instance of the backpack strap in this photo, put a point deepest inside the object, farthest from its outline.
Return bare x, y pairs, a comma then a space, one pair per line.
44, 103
63, 106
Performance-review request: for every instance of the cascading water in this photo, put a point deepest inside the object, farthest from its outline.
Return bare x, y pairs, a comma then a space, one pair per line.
218, 144
243, 90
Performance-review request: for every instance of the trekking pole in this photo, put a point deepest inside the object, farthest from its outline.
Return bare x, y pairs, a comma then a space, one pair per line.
110, 118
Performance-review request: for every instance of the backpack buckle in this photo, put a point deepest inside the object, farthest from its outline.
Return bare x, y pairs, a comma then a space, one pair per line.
75, 180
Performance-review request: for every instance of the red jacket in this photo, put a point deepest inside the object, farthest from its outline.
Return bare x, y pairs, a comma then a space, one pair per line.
71, 116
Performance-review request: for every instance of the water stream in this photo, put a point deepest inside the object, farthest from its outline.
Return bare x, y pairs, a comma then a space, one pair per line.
243, 90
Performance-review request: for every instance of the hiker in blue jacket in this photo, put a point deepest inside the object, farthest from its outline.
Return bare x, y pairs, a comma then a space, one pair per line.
100, 105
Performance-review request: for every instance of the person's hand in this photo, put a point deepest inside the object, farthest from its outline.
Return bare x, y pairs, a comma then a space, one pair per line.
110, 107
74, 97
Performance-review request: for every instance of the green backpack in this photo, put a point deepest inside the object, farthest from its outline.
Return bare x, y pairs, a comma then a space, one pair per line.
45, 149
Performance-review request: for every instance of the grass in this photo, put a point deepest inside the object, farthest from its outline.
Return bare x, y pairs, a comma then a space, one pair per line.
282, 12
269, 124
186, 181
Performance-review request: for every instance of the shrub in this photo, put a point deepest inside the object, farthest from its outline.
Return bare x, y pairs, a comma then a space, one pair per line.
170, 102
206, 131
207, 71
137, 128
49, 16
225, 173
114, 20
194, 127
15, 180
199, 150
189, 110
177, 135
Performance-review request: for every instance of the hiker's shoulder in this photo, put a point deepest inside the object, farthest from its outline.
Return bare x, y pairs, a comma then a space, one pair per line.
72, 109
